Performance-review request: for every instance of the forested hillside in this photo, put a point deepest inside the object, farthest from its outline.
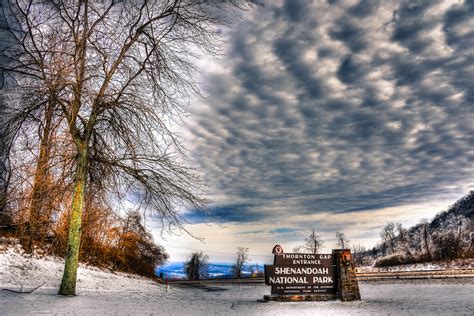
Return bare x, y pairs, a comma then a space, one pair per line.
448, 236
463, 207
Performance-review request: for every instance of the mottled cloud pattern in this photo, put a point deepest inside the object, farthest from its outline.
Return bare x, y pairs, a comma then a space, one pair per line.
329, 107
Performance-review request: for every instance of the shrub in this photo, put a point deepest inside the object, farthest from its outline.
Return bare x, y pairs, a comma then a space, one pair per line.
396, 259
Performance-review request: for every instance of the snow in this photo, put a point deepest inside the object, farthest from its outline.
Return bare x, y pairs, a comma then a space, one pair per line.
17, 269
459, 264
101, 292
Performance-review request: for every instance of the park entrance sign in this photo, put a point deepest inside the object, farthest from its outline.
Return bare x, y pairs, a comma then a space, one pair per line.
295, 273
298, 277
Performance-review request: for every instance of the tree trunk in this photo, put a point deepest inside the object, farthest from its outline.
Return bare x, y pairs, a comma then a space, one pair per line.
425, 239
37, 208
68, 283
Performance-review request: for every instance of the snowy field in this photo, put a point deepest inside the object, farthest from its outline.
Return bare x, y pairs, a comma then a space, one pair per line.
106, 293
426, 266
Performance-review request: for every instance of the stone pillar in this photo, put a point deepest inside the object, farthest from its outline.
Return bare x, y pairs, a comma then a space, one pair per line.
347, 286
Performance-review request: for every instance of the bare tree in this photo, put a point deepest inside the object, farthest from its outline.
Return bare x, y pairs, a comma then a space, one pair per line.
342, 241
120, 73
298, 249
196, 267
40, 210
359, 253
454, 239
404, 241
5, 169
425, 232
6, 218
471, 241
242, 259
388, 236
313, 242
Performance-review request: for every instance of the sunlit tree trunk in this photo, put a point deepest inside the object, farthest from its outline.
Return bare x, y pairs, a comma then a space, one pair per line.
68, 283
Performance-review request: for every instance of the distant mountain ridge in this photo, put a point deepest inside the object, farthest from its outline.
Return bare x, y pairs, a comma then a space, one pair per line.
175, 270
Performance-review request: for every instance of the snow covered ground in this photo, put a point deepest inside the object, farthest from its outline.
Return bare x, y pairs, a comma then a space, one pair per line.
425, 266
106, 293
18, 270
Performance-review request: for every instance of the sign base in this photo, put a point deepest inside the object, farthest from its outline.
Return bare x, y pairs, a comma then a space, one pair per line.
300, 298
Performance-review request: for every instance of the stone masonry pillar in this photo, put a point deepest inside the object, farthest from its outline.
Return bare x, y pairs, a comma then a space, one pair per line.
347, 287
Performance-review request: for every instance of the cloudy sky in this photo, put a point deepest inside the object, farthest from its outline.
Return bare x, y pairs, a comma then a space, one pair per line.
333, 115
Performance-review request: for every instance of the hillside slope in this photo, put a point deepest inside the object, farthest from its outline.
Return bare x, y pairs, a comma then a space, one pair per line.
447, 237
463, 207
18, 269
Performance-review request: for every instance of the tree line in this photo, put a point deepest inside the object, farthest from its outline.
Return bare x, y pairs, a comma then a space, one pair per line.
448, 236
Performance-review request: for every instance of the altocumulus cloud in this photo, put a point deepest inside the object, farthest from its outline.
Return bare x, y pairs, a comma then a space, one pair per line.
338, 106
